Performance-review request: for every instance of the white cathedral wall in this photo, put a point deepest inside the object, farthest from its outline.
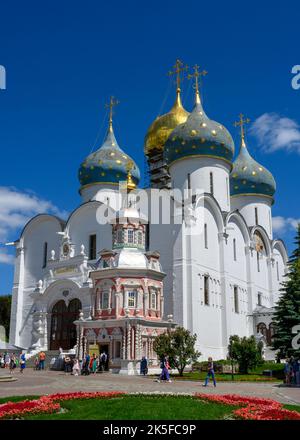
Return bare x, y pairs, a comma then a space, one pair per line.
40, 230
236, 262
202, 258
199, 169
278, 271
247, 204
83, 223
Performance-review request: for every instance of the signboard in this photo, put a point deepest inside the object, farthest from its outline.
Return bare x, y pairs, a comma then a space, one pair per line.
93, 349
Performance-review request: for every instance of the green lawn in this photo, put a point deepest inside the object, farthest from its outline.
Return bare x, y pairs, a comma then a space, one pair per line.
196, 375
139, 408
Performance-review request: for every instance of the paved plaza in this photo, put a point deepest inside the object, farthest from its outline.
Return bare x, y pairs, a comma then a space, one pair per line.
48, 382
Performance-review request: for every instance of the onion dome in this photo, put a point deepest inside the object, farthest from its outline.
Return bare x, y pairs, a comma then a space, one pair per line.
109, 164
160, 129
199, 136
248, 177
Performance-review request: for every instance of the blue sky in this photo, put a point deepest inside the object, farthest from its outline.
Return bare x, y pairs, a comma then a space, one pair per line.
64, 59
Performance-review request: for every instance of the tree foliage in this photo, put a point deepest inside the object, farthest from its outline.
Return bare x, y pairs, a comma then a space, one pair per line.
287, 310
179, 346
245, 351
5, 305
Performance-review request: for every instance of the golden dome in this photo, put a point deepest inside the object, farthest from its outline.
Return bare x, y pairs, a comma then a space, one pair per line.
161, 128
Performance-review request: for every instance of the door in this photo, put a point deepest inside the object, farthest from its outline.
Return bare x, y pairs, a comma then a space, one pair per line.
63, 330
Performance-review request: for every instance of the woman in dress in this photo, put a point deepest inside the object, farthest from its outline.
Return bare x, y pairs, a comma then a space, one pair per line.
94, 363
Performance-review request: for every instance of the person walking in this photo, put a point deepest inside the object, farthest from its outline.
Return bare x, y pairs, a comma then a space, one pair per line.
12, 363
42, 357
164, 365
144, 366
6, 360
22, 363
210, 373
67, 365
287, 372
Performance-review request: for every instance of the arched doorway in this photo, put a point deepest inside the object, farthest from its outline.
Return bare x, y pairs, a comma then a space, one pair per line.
63, 331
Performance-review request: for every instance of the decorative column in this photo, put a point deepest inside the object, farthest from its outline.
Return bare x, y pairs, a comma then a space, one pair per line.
137, 348
124, 342
128, 341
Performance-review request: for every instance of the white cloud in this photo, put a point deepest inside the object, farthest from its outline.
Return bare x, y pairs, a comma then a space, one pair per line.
16, 209
284, 224
274, 133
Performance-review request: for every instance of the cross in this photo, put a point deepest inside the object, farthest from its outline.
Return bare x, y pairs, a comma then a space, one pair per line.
241, 123
196, 75
177, 69
112, 103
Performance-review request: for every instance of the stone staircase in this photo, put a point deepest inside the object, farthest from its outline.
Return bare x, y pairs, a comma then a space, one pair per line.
30, 363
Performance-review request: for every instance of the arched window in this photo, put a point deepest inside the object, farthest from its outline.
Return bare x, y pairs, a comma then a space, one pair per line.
272, 330
130, 236
206, 290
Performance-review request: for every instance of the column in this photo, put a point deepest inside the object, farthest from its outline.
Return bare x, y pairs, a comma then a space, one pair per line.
124, 343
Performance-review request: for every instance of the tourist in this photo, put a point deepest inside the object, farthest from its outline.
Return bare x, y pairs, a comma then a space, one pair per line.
164, 365
86, 365
103, 361
2, 363
36, 363
76, 367
22, 362
295, 370
42, 357
94, 363
12, 364
144, 366
67, 364
210, 373
6, 360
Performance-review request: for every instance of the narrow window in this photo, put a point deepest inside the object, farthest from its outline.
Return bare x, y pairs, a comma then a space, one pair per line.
206, 290
105, 297
256, 216
234, 249
277, 270
236, 299
147, 237
211, 183
130, 236
257, 259
227, 190
131, 299
120, 236
153, 300
259, 299
45, 254
205, 236
189, 181
92, 247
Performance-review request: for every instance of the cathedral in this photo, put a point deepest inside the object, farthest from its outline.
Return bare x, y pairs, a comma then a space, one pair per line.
94, 285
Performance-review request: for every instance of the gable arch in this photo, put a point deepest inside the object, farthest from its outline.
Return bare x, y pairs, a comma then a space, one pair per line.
214, 207
263, 233
240, 222
280, 247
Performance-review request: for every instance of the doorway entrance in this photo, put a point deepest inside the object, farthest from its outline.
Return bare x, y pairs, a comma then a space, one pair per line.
63, 330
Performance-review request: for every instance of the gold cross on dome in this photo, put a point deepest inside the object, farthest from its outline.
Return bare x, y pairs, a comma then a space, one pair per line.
241, 124
196, 75
112, 103
177, 69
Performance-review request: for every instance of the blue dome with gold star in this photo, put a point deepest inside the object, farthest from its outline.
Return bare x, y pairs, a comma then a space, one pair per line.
199, 136
248, 177
108, 165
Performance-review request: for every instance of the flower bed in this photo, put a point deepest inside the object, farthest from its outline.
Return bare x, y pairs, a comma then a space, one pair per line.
48, 404
253, 408
250, 408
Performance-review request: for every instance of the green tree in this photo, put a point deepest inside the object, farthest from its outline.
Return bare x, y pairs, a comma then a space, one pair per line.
287, 310
5, 305
245, 351
179, 346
